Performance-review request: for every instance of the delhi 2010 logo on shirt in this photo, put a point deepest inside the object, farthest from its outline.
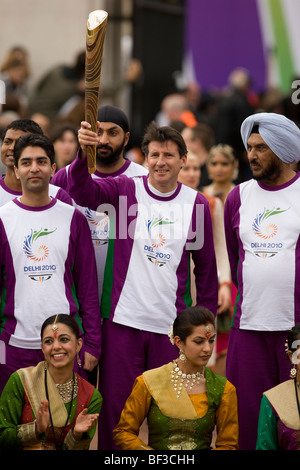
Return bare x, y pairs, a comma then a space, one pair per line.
266, 230
262, 228
99, 226
158, 239
41, 252
37, 252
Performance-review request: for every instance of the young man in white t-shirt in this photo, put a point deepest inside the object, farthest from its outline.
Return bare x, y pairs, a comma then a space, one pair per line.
47, 263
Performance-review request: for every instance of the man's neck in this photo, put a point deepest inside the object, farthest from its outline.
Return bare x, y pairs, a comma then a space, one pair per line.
163, 189
11, 181
284, 178
32, 199
108, 169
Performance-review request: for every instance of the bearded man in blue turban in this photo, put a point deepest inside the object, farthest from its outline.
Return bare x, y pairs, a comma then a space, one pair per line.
262, 224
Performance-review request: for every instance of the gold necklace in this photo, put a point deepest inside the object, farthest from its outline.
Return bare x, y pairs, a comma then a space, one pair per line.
179, 379
65, 390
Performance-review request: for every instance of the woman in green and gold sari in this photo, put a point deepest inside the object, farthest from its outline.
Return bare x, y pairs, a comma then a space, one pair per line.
279, 417
49, 407
184, 401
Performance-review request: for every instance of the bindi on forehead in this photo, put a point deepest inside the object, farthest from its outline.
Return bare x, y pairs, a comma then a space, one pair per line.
207, 332
55, 331
55, 328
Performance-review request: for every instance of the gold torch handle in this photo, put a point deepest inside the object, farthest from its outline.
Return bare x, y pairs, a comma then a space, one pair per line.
96, 28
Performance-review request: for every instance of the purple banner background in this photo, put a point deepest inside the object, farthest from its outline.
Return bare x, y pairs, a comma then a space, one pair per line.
223, 35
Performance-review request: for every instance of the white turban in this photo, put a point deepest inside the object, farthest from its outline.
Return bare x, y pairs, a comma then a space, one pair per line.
279, 133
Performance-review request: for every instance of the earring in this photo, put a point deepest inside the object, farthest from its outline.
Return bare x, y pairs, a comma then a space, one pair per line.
293, 372
182, 356
78, 360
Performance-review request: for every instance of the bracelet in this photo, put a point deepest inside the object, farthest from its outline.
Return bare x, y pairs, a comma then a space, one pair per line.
225, 283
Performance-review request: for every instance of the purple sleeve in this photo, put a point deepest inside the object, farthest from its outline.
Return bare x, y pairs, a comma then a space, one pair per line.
60, 178
231, 223
85, 281
204, 258
89, 192
7, 283
63, 196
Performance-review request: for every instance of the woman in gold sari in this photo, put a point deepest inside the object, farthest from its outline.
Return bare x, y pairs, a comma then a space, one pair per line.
184, 401
49, 407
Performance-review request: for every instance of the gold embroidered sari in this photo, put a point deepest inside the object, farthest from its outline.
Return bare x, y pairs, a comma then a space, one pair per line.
184, 423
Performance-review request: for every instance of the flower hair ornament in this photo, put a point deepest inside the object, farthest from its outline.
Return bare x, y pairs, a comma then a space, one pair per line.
171, 335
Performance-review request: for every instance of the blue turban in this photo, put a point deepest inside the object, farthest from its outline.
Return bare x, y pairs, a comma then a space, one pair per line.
279, 133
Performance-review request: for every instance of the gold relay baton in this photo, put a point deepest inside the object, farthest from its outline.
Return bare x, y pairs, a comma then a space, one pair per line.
96, 28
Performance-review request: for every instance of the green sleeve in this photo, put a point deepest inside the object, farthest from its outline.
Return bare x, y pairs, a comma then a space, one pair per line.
94, 407
267, 433
11, 406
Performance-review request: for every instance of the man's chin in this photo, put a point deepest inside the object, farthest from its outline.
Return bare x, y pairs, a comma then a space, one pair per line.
256, 176
107, 160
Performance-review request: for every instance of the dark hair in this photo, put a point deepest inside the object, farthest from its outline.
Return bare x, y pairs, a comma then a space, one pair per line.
255, 129
25, 125
33, 140
58, 131
79, 65
162, 134
188, 319
62, 318
293, 335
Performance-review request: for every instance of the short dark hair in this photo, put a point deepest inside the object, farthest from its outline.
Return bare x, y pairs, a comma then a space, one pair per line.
188, 319
33, 140
25, 125
62, 318
162, 134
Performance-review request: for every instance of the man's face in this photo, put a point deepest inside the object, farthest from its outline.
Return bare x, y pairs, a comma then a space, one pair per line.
112, 141
164, 164
8, 145
34, 169
264, 164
